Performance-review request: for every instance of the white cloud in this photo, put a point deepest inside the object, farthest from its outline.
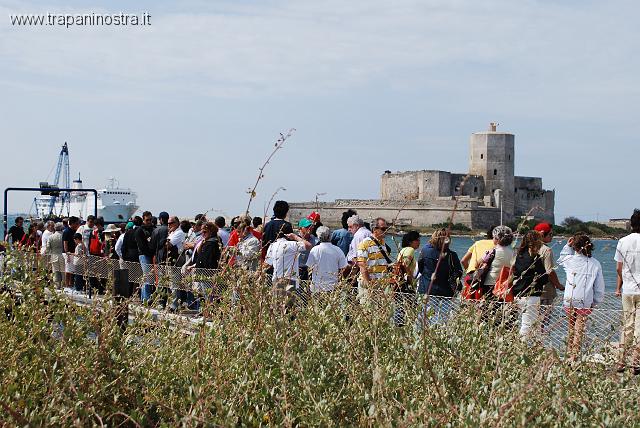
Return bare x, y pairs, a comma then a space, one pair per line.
313, 47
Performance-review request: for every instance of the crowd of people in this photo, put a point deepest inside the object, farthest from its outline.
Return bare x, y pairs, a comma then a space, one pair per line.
314, 260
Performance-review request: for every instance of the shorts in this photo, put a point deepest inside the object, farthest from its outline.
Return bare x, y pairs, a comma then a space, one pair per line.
69, 265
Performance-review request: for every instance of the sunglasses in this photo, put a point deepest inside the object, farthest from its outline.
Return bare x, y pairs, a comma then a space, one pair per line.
383, 228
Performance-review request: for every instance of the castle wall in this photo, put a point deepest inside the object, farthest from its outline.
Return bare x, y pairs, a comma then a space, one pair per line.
417, 214
436, 184
537, 203
417, 185
400, 185
473, 185
531, 199
529, 183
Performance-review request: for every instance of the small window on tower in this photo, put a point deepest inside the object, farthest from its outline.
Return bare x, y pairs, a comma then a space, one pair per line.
481, 155
495, 172
509, 157
475, 189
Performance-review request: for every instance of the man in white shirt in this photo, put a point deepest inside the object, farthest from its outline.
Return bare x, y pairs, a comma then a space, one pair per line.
359, 232
175, 241
283, 256
325, 262
50, 229
176, 237
86, 230
627, 258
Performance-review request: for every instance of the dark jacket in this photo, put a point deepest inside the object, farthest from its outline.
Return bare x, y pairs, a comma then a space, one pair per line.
143, 233
158, 242
129, 246
271, 230
449, 270
208, 255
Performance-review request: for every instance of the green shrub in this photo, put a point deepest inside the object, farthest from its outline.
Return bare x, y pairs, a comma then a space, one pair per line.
254, 364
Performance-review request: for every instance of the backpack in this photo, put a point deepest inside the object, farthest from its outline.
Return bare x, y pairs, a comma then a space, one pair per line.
473, 287
529, 275
95, 245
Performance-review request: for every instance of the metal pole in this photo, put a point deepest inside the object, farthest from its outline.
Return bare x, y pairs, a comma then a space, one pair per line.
4, 215
501, 201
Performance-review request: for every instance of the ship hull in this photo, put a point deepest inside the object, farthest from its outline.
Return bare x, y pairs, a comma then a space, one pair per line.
83, 208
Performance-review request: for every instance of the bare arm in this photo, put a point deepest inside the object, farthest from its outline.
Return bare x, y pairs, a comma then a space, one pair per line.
619, 279
553, 279
465, 260
364, 271
307, 244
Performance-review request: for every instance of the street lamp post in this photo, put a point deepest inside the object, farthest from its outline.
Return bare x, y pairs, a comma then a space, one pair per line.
498, 198
318, 195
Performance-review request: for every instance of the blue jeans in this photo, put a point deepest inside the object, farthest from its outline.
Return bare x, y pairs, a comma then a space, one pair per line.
434, 312
146, 290
78, 282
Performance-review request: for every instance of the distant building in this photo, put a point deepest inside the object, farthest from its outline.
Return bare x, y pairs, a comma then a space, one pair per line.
620, 223
427, 197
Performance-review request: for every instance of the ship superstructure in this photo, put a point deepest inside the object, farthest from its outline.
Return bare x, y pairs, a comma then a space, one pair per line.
115, 204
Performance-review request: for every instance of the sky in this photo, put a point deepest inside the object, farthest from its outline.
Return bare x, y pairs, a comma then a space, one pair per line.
185, 110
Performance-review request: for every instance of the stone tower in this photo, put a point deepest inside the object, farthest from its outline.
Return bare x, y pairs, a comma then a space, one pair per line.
491, 155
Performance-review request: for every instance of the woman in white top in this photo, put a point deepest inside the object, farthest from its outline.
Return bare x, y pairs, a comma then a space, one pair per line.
584, 288
54, 250
502, 238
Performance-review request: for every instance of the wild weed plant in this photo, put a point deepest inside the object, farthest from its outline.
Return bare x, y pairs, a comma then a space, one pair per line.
253, 361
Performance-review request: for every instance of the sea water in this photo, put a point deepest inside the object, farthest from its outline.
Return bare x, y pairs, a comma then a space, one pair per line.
603, 252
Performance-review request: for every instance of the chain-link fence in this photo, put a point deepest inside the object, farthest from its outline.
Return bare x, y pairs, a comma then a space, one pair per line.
551, 327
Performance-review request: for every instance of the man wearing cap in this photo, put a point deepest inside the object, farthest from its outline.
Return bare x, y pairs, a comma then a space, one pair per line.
111, 237
305, 226
315, 219
549, 291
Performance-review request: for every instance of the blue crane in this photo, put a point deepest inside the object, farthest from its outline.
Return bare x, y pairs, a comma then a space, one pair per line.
62, 169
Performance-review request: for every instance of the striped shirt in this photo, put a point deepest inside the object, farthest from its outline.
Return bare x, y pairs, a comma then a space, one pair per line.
369, 253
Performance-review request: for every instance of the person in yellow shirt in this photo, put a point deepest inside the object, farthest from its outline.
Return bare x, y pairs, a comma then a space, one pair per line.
476, 252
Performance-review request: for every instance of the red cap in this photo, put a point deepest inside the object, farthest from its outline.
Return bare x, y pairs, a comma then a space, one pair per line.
543, 228
314, 217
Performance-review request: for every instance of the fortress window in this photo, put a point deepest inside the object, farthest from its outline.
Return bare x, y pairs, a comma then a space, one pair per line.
509, 157
495, 172
515, 190
475, 189
481, 155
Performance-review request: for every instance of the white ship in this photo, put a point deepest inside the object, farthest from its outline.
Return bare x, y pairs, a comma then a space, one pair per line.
115, 204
